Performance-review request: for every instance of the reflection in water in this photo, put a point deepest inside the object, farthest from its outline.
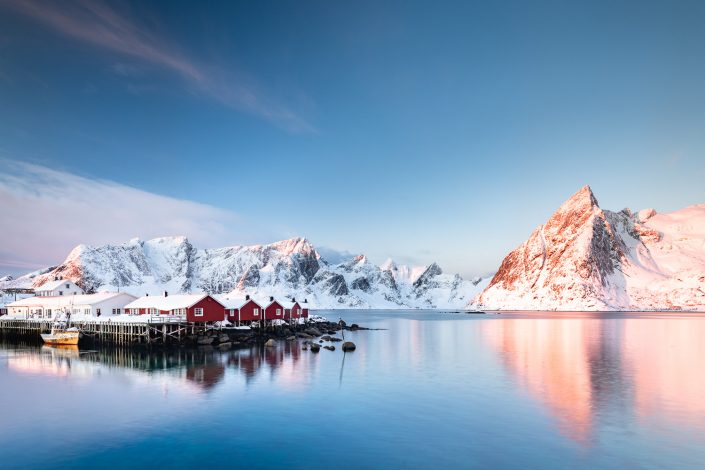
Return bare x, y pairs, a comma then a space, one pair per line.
668, 362
203, 368
588, 369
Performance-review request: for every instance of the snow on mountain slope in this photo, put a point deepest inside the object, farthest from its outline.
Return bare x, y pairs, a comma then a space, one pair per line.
587, 258
282, 269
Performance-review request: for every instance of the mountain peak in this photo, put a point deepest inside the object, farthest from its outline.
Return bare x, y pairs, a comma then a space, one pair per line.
388, 265
583, 197
294, 245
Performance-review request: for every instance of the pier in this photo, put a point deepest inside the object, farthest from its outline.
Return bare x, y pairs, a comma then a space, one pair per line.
113, 332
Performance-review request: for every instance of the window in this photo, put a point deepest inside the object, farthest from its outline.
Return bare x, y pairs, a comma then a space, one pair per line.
198, 312
279, 312
256, 312
76, 311
48, 311
88, 311
61, 292
67, 286
116, 311
153, 311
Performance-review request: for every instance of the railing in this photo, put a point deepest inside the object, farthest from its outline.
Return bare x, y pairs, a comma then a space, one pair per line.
166, 318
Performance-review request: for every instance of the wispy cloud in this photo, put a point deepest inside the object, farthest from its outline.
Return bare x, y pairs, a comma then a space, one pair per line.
96, 23
45, 213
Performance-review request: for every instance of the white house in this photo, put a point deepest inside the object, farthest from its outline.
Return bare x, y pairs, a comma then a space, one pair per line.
96, 305
58, 287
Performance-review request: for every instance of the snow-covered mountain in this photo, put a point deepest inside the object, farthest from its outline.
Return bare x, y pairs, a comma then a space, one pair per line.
282, 269
587, 258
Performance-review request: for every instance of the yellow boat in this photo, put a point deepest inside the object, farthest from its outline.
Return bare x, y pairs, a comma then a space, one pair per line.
62, 337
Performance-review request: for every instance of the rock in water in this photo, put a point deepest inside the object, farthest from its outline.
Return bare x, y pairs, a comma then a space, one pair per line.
270, 343
315, 347
204, 340
329, 348
348, 346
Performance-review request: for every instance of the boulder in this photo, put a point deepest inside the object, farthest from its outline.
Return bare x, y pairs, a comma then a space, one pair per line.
329, 348
304, 335
223, 338
225, 345
204, 340
313, 331
348, 346
334, 339
291, 338
315, 347
270, 343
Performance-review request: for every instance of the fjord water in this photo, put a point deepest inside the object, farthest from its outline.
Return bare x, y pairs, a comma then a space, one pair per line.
430, 389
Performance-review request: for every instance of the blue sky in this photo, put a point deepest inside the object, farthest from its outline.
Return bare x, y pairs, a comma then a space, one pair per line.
417, 130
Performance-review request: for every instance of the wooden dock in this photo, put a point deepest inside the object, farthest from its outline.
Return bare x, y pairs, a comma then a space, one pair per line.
111, 332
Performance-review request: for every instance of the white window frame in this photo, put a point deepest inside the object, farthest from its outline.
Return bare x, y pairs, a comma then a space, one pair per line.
279, 312
255, 312
197, 312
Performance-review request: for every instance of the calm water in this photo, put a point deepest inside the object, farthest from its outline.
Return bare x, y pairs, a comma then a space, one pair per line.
432, 390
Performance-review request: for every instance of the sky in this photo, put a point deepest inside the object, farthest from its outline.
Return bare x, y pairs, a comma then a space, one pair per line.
421, 131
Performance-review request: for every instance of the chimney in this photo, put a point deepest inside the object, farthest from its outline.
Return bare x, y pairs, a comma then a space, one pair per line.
56, 278
247, 297
293, 299
271, 299
305, 301
147, 294
166, 294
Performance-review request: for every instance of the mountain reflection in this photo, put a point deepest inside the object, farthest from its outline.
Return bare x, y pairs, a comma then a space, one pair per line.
590, 371
203, 369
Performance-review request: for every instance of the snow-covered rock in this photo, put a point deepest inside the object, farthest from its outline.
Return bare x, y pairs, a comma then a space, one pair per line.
587, 258
289, 268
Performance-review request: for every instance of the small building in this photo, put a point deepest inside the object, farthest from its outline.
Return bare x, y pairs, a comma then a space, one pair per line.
292, 309
274, 310
304, 308
58, 287
241, 309
95, 305
189, 307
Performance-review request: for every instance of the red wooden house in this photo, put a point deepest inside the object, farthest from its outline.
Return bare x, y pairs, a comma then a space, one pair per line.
304, 308
273, 311
292, 309
239, 310
192, 307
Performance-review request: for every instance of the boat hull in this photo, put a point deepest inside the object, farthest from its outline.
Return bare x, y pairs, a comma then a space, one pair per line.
61, 338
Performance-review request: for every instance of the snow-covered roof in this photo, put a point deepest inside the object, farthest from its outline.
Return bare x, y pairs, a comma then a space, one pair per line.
265, 302
230, 301
51, 285
67, 300
169, 302
288, 304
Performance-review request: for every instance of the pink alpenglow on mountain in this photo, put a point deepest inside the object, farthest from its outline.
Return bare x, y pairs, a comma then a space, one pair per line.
587, 258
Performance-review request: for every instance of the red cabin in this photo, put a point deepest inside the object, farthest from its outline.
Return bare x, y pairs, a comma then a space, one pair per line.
192, 307
292, 309
239, 309
304, 309
274, 310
